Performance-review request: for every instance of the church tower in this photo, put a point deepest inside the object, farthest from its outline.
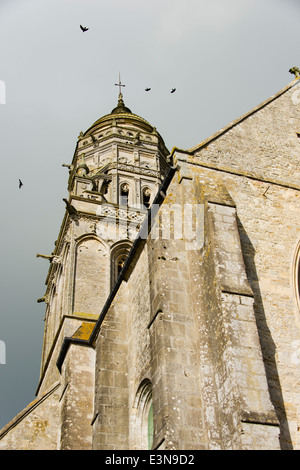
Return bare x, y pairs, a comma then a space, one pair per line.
117, 168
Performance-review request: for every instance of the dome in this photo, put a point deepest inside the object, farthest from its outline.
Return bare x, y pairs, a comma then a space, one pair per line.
120, 112
121, 108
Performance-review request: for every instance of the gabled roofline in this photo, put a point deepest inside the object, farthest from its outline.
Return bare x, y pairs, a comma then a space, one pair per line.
27, 410
237, 121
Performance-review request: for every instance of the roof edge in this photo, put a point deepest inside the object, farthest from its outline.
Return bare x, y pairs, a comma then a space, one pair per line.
27, 410
237, 121
123, 115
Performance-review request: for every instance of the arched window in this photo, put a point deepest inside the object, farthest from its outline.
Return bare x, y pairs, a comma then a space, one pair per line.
150, 426
119, 253
120, 263
298, 279
296, 274
124, 194
146, 197
143, 417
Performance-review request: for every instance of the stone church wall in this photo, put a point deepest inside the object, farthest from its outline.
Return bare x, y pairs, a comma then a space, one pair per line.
122, 362
37, 426
264, 144
256, 162
209, 369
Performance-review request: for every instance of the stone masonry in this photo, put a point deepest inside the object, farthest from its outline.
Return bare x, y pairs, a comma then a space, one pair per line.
172, 300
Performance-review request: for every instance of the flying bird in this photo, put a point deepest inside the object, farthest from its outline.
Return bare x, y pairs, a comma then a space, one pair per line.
173, 89
147, 89
83, 29
20, 184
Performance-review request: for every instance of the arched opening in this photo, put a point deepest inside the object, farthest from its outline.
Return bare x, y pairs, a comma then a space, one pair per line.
119, 253
298, 280
120, 263
296, 275
146, 198
143, 423
124, 194
150, 426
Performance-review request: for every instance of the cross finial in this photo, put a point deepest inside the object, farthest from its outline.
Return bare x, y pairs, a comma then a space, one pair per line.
119, 85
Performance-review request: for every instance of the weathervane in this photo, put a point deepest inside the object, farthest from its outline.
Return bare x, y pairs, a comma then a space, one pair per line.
119, 85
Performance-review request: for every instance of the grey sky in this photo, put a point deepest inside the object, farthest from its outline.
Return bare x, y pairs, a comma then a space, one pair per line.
223, 56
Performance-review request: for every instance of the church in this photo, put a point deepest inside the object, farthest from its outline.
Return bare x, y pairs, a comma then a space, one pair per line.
172, 300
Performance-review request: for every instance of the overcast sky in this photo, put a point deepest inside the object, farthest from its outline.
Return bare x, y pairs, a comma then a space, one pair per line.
224, 57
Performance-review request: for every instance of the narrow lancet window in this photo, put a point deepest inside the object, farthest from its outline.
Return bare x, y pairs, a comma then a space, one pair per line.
146, 198
124, 195
143, 418
120, 264
296, 275
119, 254
150, 426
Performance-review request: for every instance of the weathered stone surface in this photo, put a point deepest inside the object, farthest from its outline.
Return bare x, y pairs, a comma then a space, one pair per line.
203, 326
37, 426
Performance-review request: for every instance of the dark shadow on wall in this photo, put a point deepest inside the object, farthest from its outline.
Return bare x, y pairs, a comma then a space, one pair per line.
267, 344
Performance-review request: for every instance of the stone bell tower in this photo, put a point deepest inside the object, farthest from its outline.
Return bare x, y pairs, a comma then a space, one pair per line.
117, 168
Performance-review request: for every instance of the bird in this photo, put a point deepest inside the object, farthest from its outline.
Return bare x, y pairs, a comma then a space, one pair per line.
84, 29
20, 184
173, 89
147, 89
